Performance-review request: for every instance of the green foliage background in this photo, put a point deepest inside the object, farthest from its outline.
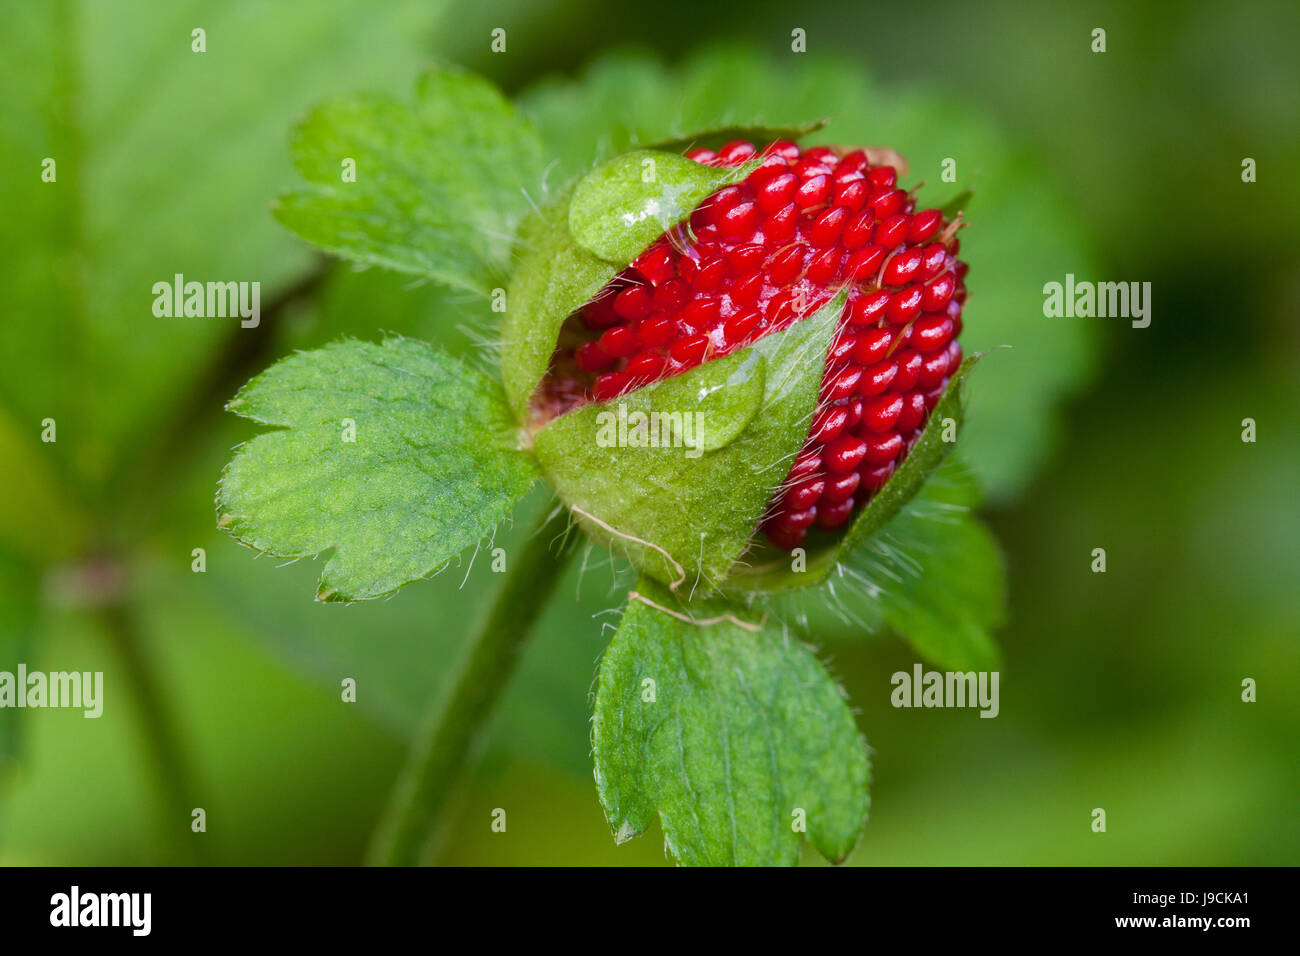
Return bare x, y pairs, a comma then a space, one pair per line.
1119, 690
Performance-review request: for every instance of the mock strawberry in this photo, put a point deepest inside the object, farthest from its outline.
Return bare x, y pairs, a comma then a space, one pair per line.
756, 257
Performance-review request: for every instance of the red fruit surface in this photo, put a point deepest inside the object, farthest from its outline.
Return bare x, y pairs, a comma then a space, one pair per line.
758, 256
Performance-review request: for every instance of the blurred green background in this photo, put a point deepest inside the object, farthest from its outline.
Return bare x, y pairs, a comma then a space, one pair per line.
1119, 690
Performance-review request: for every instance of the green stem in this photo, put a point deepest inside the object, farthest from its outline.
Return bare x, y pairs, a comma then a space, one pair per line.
156, 721
440, 750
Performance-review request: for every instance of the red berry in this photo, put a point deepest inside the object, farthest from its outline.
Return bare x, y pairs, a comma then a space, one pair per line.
735, 153
797, 520
807, 464
877, 378
711, 275
858, 230
610, 385
903, 267
746, 260
740, 326
827, 227
841, 487
864, 262
777, 193
813, 192
782, 225
875, 476
931, 331
842, 384
645, 366
851, 195
872, 346
904, 305
913, 411
834, 515
881, 414
804, 494
785, 149
701, 314
891, 232
789, 540
590, 357
855, 161
824, 266
766, 252
938, 292
829, 423
886, 202
785, 265
658, 330
882, 177
746, 291
844, 454
933, 258
868, 309
909, 366
924, 225
690, 351
879, 449
739, 220
619, 342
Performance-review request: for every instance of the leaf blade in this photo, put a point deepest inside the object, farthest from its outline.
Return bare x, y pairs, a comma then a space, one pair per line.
439, 183
745, 729
429, 468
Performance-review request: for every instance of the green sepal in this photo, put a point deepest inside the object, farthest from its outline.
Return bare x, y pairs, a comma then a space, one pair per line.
680, 515
554, 277
626, 203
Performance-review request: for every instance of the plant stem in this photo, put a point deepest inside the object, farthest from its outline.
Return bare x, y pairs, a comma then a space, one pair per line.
440, 750
156, 721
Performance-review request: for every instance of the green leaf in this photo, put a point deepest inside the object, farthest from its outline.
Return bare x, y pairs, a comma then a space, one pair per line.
626, 203
154, 179
771, 570
690, 515
730, 731
942, 582
554, 277
430, 466
440, 184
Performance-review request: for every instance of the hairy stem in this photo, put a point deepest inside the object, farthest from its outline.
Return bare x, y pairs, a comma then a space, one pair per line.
441, 748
